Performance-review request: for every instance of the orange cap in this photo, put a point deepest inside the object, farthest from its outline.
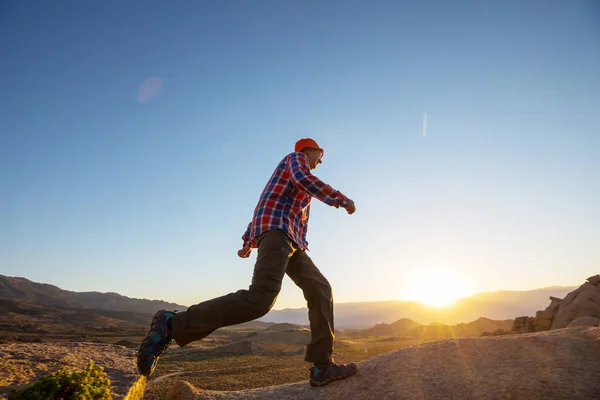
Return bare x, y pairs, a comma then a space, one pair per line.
307, 142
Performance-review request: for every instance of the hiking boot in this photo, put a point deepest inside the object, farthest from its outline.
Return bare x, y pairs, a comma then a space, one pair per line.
155, 343
322, 374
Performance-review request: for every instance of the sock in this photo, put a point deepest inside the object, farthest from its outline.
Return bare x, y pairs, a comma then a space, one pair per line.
169, 316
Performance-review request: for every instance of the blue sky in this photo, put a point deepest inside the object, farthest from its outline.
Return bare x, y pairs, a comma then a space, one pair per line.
135, 138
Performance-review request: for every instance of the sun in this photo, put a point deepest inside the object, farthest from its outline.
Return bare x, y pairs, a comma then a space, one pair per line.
437, 287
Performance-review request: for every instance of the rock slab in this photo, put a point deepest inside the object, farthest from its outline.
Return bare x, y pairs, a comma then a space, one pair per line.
556, 364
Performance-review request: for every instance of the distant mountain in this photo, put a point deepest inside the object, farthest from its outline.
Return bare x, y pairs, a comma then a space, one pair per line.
400, 328
481, 325
438, 331
409, 328
24, 290
500, 305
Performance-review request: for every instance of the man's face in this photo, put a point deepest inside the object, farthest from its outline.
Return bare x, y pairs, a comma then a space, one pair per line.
314, 157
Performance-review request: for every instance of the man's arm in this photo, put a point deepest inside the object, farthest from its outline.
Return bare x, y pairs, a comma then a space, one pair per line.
302, 177
246, 235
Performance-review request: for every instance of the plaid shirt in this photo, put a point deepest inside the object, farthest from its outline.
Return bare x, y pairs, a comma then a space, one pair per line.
285, 201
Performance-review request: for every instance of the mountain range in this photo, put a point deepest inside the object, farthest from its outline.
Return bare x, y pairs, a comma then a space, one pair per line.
26, 291
500, 305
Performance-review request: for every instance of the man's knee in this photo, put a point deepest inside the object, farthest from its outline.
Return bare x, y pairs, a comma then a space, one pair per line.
262, 300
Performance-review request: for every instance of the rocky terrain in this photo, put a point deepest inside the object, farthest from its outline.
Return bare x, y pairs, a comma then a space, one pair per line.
31, 322
559, 344
579, 307
25, 363
557, 364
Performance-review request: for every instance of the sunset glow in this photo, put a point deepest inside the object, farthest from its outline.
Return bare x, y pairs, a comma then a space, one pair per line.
437, 287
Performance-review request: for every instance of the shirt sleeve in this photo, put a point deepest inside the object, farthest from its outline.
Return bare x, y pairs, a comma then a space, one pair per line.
301, 176
246, 235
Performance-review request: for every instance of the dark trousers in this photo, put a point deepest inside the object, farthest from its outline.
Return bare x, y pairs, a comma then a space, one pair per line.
277, 256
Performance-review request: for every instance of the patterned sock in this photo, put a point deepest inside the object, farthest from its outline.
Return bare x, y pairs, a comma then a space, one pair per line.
169, 316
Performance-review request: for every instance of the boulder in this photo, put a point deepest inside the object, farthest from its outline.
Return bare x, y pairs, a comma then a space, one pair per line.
541, 324
554, 304
522, 325
594, 280
585, 321
581, 302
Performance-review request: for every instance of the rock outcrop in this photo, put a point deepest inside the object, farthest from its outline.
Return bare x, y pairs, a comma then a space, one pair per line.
585, 321
581, 302
22, 364
557, 364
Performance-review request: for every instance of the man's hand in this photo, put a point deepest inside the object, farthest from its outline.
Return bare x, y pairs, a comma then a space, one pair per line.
350, 207
245, 251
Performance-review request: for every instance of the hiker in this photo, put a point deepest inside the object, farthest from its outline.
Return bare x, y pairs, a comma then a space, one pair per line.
278, 230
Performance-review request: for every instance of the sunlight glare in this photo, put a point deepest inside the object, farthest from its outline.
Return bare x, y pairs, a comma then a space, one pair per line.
437, 287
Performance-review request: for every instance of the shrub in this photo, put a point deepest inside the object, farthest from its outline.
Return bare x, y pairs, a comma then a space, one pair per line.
91, 383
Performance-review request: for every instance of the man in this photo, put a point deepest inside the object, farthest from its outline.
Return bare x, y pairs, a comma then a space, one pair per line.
278, 230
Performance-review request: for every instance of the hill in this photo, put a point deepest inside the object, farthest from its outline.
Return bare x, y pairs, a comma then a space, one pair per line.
24, 290
504, 367
32, 322
435, 331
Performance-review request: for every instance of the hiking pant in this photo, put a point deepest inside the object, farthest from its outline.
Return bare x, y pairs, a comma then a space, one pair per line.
277, 255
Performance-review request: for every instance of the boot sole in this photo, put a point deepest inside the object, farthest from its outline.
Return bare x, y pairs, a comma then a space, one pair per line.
329, 380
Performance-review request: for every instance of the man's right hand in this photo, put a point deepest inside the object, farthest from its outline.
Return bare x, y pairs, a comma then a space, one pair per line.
350, 207
245, 251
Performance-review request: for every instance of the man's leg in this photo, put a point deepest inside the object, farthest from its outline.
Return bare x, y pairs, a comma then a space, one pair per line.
319, 298
274, 252
198, 321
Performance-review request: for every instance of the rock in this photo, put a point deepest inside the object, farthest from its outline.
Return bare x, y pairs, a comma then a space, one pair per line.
490, 368
183, 390
571, 296
541, 324
554, 304
544, 315
585, 321
567, 314
522, 325
582, 302
594, 280
25, 363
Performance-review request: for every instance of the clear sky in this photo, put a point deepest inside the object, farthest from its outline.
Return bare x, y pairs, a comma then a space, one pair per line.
135, 138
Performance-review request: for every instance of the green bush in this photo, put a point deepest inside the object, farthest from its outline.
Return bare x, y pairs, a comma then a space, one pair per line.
91, 383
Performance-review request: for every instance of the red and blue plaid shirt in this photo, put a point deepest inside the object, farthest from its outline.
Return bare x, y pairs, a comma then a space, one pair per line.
285, 201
